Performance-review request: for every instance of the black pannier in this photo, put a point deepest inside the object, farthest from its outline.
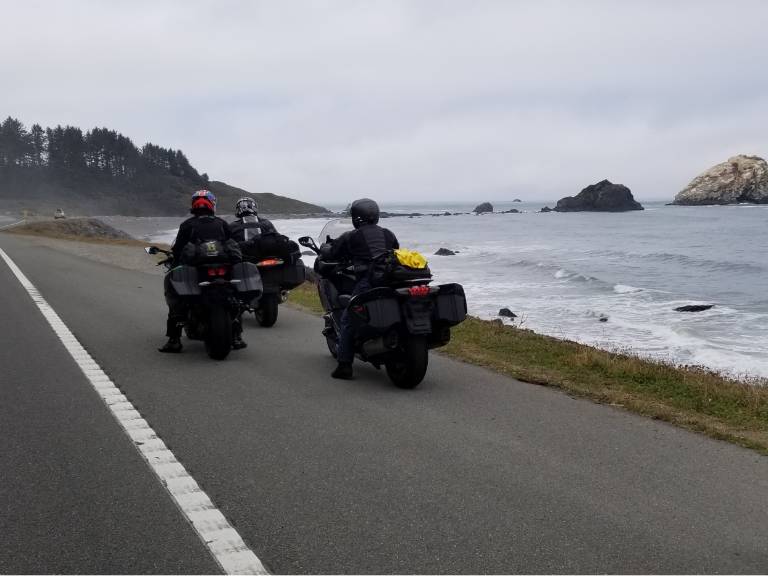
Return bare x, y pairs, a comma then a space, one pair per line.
451, 305
249, 278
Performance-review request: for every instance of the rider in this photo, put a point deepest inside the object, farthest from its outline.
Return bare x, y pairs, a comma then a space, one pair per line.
249, 224
202, 226
367, 242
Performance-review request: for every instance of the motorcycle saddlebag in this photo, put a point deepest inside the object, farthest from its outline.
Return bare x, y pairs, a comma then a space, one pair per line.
450, 305
294, 274
285, 277
382, 307
250, 279
184, 280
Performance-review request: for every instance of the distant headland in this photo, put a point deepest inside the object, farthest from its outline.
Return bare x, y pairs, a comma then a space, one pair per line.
102, 172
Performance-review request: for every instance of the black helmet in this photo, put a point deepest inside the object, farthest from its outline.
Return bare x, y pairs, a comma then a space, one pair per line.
364, 211
246, 206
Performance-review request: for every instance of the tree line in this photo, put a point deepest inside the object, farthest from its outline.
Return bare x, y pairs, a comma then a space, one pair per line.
99, 151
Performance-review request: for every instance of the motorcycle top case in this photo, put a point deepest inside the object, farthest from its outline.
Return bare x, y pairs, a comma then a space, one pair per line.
184, 280
250, 279
451, 305
382, 307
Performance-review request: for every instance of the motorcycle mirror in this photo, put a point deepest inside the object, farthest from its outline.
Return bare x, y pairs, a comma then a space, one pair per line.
151, 250
308, 242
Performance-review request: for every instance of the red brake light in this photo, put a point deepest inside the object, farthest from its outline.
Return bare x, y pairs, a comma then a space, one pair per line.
217, 271
418, 291
270, 262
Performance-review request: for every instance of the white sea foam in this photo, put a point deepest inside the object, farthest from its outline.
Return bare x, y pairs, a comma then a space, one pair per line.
626, 289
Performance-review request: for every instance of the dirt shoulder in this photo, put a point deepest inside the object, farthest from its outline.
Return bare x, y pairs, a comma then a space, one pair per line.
125, 253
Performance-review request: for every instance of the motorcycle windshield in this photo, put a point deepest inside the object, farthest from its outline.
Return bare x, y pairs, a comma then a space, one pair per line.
334, 229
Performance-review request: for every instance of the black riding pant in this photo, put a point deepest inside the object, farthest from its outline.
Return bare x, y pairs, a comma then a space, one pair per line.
177, 310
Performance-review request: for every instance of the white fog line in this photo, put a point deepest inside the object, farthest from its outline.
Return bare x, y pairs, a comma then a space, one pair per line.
222, 541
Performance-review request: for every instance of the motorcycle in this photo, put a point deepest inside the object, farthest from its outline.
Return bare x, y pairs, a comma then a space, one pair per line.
279, 275
396, 324
212, 289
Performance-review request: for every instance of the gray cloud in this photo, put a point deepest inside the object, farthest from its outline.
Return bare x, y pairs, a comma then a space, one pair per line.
404, 100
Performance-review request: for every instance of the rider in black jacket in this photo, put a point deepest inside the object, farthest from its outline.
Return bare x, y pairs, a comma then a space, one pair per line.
367, 242
201, 227
249, 224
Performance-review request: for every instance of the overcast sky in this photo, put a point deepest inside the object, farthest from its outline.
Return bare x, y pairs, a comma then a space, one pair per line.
412, 100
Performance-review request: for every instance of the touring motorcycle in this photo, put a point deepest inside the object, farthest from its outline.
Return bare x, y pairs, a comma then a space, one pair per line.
281, 269
396, 324
213, 290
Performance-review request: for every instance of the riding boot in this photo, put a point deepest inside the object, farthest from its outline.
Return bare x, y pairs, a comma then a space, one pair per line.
173, 346
343, 371
237, 334
173, 332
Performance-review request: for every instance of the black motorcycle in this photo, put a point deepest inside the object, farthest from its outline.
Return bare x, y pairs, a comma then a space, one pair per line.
396, 324
281, 271
213, 290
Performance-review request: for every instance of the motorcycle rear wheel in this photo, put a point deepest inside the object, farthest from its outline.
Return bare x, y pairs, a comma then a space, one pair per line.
218, 337
333, 346
411, 366
266, 312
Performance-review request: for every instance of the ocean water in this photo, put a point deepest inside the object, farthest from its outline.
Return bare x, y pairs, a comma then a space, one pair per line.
560, 273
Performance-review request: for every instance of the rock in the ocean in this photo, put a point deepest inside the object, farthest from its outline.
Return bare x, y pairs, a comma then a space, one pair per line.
517, 200
604, 196
444, 252
507, 313
482, 208
511, 211
694, 308
740, 179
546, 209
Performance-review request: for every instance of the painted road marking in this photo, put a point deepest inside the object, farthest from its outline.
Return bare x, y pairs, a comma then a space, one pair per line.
223, 541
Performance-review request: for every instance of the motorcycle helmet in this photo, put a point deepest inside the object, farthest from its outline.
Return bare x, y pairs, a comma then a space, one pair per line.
364, 211
245, 207
203, 201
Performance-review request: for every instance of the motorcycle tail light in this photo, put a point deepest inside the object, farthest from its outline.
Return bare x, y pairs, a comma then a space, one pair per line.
217, 271
418, 291
360, 311
270, 262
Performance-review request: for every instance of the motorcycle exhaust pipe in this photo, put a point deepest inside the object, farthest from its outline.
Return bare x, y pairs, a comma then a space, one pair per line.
380, 345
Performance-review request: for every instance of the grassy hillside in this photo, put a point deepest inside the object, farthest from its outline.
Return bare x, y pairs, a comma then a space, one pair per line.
102, 172
40, 193
268, 203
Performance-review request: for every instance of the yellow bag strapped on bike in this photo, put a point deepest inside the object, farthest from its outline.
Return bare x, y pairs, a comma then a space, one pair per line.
410, 258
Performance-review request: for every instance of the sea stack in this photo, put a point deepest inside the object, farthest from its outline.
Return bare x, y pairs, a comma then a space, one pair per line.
605, 196
741, 179
483, 208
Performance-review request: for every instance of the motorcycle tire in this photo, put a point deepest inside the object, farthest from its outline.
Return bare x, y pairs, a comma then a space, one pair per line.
218, 337
333, 345
266, 312
409, 369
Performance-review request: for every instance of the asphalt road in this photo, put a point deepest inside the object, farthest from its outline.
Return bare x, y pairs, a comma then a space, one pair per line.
470, 473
